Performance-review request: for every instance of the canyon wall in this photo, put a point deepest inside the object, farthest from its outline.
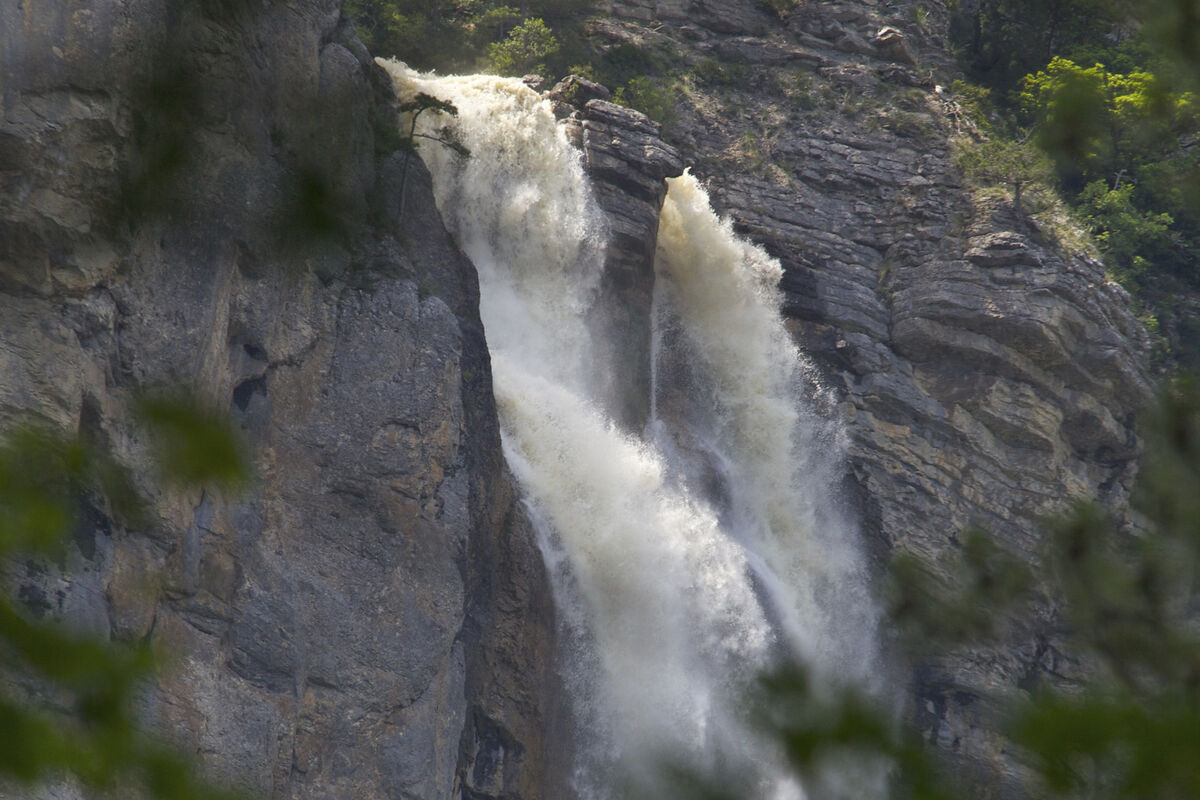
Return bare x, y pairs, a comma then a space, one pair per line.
207, 195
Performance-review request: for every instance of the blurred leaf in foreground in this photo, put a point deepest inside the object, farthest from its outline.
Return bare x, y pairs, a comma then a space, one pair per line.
67, 698
194, 445
1124, 602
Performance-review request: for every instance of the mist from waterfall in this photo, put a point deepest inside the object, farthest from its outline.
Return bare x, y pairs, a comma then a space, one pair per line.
688, 557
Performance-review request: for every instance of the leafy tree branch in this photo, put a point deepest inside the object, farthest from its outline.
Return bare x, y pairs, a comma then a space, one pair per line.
415, 108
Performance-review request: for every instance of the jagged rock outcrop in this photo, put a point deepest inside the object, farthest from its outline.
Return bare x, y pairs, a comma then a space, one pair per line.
206, 194
988, 376
628, 163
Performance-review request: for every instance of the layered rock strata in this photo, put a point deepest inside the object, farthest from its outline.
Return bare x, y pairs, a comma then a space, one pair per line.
988, 374
207, 195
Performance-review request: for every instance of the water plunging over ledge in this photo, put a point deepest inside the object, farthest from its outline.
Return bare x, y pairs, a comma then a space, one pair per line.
688, 558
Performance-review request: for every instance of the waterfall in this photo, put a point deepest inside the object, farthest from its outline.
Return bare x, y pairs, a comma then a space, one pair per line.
688, 558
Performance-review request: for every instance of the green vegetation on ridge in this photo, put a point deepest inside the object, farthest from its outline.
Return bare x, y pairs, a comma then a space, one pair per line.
1107, 90
469, 35
543, 37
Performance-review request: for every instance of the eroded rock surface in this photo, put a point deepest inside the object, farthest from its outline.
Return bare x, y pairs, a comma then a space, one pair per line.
204, 195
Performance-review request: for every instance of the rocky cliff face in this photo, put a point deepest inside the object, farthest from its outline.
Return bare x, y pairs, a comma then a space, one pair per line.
206, 195
987, 376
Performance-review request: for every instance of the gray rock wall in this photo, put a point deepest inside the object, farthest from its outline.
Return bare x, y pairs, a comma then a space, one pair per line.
206, 195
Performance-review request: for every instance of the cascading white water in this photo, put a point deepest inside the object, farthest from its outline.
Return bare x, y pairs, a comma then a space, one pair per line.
752, 407
682, 592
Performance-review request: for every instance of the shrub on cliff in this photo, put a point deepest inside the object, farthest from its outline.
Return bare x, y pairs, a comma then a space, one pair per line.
461, 35
1109, 90
1132, 238
646, 96
524, 50
1014, 165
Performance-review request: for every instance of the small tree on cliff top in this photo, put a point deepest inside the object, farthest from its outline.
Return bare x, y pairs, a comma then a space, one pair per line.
1012, 164
417, 106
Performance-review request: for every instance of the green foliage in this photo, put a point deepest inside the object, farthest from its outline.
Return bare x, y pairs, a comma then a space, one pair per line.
45, 478
544, 37
417, 106
584, 71
641, 77
1173, 28
652, 99
1002, 40
909, 124
629, 61
1129, 729
1131, 238
447, 138
494, 24
524, 50
989, 583
193, 446
797, 86
714, 72
1015, 165
1116, 141
819, 729
311, 209
815, 725
1098, 121
1108, 89
978, 104
1128, 601
750, 148
384, 26
1145, 749
463, 35
41, 475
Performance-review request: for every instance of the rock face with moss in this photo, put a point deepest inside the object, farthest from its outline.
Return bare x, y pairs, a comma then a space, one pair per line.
989, 374
205, 195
